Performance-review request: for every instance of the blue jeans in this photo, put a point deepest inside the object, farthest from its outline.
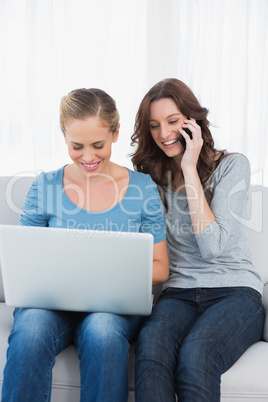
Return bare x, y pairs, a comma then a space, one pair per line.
191, 338
102, 342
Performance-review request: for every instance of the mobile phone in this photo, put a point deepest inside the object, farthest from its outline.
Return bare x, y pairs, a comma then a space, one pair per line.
181, 138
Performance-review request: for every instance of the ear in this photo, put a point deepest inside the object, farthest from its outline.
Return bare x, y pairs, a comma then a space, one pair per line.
116, 134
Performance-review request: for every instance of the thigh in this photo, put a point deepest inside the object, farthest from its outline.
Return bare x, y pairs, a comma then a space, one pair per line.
158, 343
171, 318
226, 329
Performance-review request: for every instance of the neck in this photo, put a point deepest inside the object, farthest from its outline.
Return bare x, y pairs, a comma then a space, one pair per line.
177, 159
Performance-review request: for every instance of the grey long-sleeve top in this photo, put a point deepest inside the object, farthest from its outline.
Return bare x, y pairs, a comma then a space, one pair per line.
220, 255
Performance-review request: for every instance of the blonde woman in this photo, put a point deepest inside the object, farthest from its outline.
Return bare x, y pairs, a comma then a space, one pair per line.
93, 192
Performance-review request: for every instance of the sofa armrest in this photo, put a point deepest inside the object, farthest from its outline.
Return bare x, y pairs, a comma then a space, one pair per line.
265, 304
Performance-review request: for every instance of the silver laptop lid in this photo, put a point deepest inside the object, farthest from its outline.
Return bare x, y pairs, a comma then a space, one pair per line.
77, 270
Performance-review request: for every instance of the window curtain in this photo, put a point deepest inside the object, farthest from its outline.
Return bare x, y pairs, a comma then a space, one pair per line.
50, 47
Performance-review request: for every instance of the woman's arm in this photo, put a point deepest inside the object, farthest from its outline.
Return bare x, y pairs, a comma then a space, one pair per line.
214, 223
33, 210
160, 263
201, 214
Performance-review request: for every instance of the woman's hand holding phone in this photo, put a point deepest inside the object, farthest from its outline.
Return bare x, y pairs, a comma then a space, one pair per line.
193, 143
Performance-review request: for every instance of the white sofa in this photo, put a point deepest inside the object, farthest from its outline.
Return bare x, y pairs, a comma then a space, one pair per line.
247, 380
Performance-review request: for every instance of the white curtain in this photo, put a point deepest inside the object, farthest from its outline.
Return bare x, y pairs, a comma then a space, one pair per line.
49, 47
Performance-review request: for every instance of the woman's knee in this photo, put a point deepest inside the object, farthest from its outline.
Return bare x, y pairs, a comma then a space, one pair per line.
199, 355
102, 334
30, 339
31, 326
198, 372
103, 325
35, 329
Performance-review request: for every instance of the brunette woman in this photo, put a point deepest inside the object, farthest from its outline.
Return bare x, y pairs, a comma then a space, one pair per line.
210, 310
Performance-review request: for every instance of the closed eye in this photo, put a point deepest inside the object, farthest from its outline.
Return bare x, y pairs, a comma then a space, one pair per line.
173, 122
154, 126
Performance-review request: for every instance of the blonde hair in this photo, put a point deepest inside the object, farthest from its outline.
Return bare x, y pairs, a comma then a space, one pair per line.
93, 102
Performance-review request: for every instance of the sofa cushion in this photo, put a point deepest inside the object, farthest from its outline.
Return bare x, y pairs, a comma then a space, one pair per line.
2, 296
14, 189
246, 380
258, 229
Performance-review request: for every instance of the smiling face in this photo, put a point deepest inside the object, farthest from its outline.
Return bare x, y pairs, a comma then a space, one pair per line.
165, 121
90, 144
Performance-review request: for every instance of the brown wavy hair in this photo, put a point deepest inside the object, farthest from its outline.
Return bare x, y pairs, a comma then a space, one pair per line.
149, 158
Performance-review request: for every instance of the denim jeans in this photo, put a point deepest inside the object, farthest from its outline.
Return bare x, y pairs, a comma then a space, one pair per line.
191, 338
102, 342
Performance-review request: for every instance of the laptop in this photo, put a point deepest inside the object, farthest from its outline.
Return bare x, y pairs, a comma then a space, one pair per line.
77, 270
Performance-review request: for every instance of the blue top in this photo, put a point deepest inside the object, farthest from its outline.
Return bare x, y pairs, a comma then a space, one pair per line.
140, 210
